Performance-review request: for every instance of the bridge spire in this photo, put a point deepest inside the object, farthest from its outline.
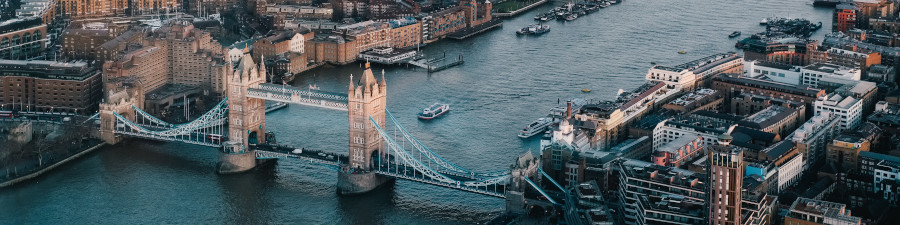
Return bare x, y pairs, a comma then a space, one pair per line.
351, 84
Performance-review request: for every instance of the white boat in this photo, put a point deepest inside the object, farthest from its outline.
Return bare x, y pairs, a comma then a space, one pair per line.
536, 127
434, 111
764, 21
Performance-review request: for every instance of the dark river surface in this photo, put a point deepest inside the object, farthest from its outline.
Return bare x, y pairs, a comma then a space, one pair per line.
505, 83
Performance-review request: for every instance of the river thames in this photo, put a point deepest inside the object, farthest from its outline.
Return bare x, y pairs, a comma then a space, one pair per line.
505, 83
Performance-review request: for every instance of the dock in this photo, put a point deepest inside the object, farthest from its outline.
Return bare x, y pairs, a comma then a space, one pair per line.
429, 64
523, 9
477, 29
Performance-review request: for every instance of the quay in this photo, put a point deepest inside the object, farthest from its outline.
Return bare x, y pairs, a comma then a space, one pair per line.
51, 167
523, 9
477, 29
429, 63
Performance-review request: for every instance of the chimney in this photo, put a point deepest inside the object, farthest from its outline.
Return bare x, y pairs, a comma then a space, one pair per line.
568, 109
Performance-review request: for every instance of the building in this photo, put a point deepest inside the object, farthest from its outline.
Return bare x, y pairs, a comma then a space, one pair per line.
476, 12
694, 73
732, 85
84, 42
678, 152
847, 109
853, 59
779, 166
886, 116
889, 56
885, 169
298, 11
173, 62
812, 137
653, 194
844, 18
726, 175
867, 9
406, 33
843, 151
746, 104
701, 99
811, 74
881, 73
779, 72
774, 119
365, 36
22, 38
284, 49
787, 50
280, 43
607, 121
438, 25
817, 212
84, 9
674, 128
111, 49
45, 86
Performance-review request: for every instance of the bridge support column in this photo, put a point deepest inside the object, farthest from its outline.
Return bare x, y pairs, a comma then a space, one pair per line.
235, 159
359, 182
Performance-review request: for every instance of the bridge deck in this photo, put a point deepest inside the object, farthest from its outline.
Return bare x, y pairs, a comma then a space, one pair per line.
295, 97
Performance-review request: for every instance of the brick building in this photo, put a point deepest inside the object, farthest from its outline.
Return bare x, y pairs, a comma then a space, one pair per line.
47, 85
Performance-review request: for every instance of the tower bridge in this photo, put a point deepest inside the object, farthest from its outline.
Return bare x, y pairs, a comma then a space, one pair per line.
380, 149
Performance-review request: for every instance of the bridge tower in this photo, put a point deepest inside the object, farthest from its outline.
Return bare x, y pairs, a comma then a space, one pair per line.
246, 116
367, 98
119, 99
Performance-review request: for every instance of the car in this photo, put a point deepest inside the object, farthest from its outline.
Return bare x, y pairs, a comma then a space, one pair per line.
297, 151
67, 119
322, 154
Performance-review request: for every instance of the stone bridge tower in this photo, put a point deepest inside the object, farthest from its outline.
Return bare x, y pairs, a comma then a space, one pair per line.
365, 99
120, 97
246, 116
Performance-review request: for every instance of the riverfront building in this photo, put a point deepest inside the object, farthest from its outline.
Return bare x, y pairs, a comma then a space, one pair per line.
691, 74
73, 87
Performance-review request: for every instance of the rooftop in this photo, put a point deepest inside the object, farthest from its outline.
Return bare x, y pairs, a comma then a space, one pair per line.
776, 65
770, 85
663, 174
674, 145
767, 117
693, 96
831, 210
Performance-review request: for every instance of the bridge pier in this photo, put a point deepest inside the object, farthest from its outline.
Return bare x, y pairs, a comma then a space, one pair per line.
359, 182
235, 159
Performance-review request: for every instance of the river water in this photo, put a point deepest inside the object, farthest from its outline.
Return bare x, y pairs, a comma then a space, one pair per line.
505, 83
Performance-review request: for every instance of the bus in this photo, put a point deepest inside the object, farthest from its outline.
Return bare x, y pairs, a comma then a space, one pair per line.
215, 137
8, 114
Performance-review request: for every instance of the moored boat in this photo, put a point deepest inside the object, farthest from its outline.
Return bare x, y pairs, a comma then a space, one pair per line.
734, 34
536, 127
434, 111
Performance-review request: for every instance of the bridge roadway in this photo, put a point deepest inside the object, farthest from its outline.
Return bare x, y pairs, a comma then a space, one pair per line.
390, 169
403, 171
315, 156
